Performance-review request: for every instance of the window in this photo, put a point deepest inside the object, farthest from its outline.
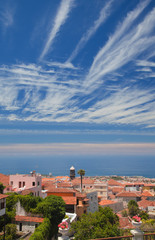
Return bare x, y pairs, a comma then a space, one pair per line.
33, 184
2, 204
11, 183
23, 184
20, 226
38, 183
20, 184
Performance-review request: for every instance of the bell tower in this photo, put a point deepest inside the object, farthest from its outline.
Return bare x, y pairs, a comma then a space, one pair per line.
72, 173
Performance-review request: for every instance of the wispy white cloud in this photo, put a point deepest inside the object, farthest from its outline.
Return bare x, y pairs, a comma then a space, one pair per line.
144, 63
62, 65
127, 43
60, 92
6, 16
103, 15
90, 132
60, 19
127, 149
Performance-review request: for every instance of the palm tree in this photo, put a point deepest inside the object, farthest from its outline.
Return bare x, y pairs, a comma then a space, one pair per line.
81, 172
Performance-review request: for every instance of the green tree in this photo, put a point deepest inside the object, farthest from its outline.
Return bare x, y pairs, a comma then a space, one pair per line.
11, 232
133, 208
143, 215
101, 224
81, 172
1, 188
124, 213
53, 208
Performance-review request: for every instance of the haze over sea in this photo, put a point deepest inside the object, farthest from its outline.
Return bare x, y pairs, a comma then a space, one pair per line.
99, 166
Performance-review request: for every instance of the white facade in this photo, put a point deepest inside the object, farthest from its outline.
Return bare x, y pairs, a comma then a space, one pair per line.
26, 226
102, 189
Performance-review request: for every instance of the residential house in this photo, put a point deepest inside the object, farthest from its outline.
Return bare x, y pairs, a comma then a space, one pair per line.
102, 189
25, 221
114, 205
87, 183
125, 197
32, 181
133, 187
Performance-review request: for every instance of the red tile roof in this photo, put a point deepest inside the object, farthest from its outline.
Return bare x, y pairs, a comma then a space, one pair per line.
52, 189
149, 185
77, 181
80, 195
28, 219
125, 223
112, 196
64, 185
3, 196
146, 203
112, 182
106, 202
117, 189
128, 194
69, 200
146, 193
4, 179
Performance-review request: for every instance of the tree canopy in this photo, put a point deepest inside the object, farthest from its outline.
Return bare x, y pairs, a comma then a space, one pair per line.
133, 208
1, 188
101, 224
53, 208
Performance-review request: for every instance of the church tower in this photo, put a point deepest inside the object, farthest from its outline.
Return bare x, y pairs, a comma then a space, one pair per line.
72, 173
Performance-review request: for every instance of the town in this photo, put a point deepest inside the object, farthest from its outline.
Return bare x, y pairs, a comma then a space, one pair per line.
81, 196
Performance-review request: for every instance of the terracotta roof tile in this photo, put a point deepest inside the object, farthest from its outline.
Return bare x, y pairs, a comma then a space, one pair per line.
146, 203
3, 196
77, 181
112, 196
149, 185
69, 200
106, 202
4, 179
125, 223
64, 185
128, 194
52, 189
112, 182
117, 189
146, 193
28, 219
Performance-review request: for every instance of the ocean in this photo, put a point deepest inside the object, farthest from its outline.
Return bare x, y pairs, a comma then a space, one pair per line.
93, 165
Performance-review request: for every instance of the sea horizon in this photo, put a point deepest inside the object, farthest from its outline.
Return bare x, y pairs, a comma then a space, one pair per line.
93, 166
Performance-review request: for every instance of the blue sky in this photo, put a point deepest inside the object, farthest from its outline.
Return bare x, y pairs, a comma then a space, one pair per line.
77, 77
